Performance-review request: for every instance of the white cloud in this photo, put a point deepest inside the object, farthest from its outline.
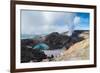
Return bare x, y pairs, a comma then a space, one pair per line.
45, 22
77, 20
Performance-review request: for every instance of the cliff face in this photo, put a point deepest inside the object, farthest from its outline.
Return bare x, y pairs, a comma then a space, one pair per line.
78, 51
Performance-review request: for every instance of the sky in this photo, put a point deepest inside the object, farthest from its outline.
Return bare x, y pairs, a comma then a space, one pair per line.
44, 22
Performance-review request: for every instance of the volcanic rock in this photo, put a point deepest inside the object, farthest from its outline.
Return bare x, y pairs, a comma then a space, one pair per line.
56, 40
29, 54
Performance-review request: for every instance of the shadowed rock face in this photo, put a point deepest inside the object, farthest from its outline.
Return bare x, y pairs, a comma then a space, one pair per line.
25, 42
29, 54
58, 41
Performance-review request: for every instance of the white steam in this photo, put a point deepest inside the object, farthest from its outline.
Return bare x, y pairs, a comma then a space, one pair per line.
71, 27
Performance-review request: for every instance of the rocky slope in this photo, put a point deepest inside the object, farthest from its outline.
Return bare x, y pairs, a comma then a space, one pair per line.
76, 47
78, 51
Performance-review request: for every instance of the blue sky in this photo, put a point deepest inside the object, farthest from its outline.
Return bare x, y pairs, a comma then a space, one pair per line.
42, 22
84, 21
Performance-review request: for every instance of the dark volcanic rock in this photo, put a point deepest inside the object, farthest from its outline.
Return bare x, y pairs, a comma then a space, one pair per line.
56, 40
28, 42
25, 42
29, 54
26, 54
75, 37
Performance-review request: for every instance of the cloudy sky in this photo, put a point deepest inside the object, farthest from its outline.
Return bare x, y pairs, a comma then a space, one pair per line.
43, 22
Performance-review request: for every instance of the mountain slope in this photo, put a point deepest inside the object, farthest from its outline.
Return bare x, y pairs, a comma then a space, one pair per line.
78, 51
